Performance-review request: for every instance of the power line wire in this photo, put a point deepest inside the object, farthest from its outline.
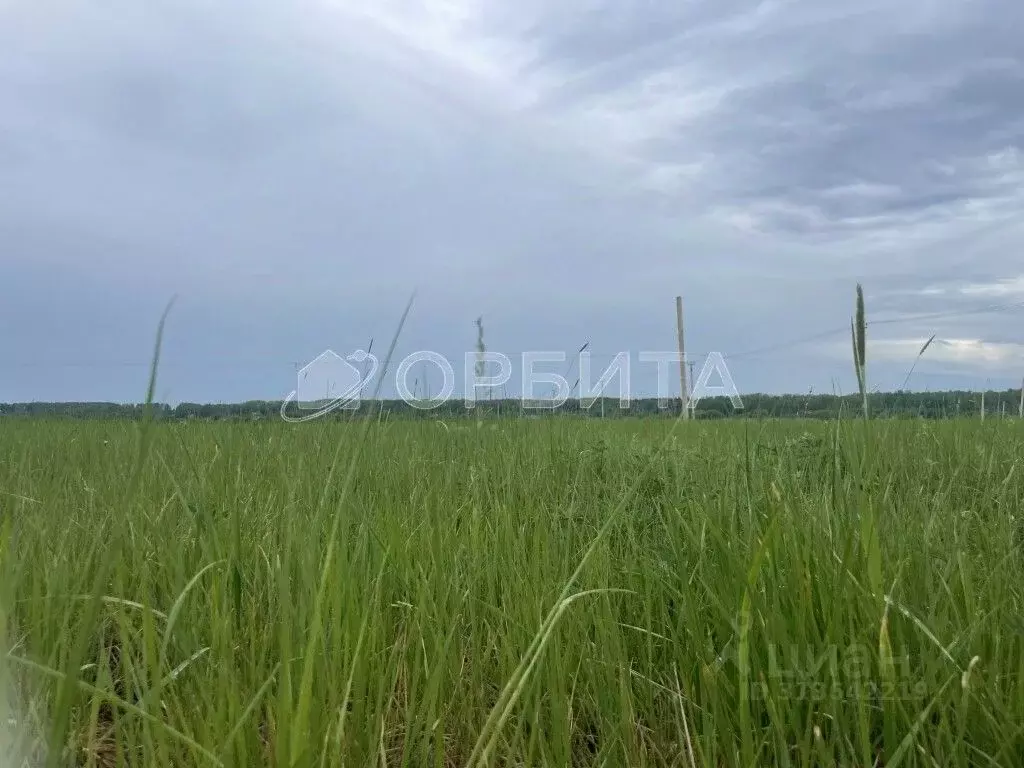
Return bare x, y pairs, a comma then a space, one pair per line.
889, 321
223, 362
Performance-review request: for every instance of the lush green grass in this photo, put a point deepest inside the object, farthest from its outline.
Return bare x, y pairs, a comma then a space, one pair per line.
729, 570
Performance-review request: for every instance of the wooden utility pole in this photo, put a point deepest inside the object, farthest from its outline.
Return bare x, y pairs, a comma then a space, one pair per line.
684, 391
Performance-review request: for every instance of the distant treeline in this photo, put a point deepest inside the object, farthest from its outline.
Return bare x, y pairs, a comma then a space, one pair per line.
927, 405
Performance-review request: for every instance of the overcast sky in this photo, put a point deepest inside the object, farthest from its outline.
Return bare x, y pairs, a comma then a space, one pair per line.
293, 171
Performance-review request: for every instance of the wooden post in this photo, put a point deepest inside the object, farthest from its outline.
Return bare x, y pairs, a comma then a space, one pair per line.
684, 391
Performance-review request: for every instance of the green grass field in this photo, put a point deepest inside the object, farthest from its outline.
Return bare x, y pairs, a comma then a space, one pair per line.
751, 593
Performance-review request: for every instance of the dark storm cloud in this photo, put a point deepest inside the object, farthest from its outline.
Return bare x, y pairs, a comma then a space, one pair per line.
819, 119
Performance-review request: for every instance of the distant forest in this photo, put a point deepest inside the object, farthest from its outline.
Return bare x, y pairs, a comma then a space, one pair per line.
927, 405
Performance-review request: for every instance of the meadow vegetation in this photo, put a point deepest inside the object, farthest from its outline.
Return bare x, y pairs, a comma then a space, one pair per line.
409, 592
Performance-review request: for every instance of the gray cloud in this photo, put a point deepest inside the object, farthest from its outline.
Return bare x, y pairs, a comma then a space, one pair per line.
293, 172
809, 121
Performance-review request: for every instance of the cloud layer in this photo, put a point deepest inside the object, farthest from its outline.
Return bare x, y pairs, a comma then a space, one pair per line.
295, 171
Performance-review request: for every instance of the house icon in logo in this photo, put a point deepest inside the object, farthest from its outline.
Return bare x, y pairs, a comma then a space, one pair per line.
328, 379
332, 381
